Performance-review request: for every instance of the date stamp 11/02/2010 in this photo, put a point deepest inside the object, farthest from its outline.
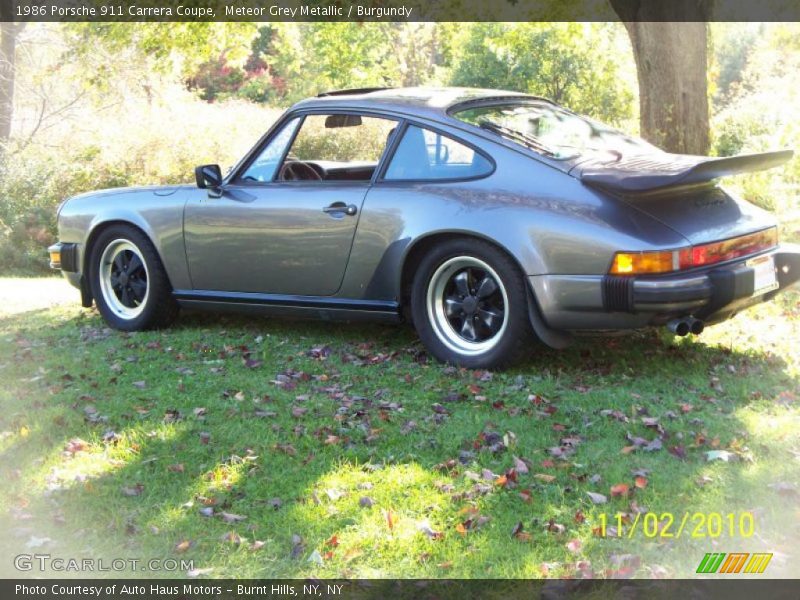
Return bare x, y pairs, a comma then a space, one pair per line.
697, 525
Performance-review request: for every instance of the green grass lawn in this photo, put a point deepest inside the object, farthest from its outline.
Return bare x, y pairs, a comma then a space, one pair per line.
270, 448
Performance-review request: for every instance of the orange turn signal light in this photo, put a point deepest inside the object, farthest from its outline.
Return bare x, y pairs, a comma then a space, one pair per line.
637, 263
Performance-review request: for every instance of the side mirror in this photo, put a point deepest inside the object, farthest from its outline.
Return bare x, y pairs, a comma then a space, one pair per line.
208, 176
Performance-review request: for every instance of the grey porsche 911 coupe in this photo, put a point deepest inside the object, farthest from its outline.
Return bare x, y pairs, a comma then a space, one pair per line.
489, 219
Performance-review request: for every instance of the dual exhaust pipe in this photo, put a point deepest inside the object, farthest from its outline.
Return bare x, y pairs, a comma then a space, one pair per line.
686, 325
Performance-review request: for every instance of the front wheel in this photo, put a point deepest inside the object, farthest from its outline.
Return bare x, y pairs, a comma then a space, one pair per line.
129, 283
469, 305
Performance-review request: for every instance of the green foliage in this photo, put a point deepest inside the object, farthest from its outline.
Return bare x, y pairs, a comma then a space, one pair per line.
127, 147
32, 186
581, 66
762, 115
732, 49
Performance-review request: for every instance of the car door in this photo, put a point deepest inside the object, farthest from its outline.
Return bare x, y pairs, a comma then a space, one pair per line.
285, 222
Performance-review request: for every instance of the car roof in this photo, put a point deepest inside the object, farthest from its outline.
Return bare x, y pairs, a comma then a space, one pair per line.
420, 101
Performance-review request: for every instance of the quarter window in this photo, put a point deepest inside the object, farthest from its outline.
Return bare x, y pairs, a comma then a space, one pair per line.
423, 154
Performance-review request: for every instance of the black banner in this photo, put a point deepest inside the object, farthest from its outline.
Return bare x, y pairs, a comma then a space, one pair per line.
398, 10
414, 589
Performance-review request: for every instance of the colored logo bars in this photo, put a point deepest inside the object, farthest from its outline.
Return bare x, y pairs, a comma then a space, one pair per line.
734, 562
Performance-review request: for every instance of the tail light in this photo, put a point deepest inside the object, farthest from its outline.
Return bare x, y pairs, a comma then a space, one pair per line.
668, 261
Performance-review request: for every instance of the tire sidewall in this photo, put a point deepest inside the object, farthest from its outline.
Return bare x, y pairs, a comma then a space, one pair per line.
145, 318
506, 350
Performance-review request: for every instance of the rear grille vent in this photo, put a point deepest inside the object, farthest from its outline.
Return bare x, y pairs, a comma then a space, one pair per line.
618, 293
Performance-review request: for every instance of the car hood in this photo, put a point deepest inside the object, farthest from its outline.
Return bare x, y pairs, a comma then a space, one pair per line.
156, 190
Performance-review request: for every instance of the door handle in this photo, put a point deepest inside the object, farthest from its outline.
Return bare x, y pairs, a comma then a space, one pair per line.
340, 207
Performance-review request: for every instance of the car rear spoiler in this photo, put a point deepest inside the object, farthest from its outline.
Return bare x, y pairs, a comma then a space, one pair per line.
644, 173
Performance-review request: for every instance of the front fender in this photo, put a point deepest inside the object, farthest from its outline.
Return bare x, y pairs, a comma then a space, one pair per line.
158, 215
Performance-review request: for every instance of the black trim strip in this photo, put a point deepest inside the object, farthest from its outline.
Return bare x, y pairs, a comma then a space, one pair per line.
69, 257
319, 302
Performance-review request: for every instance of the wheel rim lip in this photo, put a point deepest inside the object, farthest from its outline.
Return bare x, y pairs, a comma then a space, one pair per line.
112, 250
438, 317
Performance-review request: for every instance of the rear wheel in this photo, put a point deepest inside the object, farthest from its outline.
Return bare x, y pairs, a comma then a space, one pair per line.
469, 305
129, 282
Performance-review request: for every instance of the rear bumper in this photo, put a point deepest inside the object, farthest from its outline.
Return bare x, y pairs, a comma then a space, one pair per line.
611, 302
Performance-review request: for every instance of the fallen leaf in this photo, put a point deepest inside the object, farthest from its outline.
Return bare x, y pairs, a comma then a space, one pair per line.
619, 490
389, 514
597, 498
678, 452
517, 530
183, 546
134, 490
520, 466
574, 546
76, 445
193, 573
556, 528
297, 546
640, 482
231, 518
722, 455
233, 538
425, 528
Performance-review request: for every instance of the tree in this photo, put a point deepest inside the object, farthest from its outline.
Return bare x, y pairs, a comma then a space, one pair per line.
9, 33
574, 64
669, 42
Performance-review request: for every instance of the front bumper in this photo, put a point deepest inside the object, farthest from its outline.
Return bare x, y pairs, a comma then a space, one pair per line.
64, 256
712, 294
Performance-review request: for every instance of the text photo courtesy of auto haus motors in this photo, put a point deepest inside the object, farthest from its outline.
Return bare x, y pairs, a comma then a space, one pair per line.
424, 300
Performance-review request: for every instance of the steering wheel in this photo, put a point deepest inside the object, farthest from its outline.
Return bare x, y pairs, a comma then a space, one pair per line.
296, 170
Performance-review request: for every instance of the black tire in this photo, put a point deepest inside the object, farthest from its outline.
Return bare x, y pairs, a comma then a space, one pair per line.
152, 309
442, 314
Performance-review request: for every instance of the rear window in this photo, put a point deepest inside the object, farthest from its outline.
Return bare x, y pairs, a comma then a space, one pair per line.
423, 154
550, 130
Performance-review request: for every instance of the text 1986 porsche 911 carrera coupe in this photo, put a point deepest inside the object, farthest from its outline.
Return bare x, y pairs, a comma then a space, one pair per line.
488, 218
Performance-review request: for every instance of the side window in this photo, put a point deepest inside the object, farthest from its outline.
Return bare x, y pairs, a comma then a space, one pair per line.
425, 154
263, 168
336, 147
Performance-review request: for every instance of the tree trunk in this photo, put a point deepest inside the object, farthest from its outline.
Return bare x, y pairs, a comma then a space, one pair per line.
672, 66
8, 48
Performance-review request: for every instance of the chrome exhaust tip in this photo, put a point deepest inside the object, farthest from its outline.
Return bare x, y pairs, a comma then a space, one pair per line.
697, 326
679, 327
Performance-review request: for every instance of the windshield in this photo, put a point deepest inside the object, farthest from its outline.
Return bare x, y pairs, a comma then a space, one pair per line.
552, 131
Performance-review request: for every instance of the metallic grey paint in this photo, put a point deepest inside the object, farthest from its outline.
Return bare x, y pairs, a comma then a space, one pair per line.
275, 239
